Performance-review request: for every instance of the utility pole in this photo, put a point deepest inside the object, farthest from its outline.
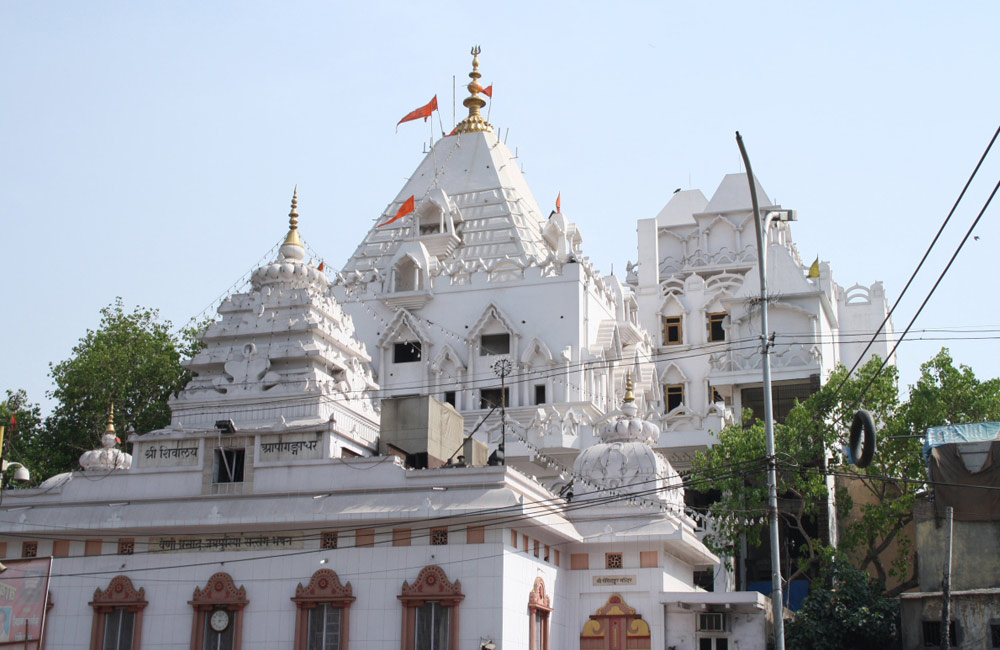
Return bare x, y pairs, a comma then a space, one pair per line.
761, 227
949, 525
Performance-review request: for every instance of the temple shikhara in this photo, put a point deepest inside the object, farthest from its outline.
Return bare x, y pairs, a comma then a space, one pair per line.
467, 437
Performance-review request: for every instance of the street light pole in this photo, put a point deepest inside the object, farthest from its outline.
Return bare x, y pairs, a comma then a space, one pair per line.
766, 342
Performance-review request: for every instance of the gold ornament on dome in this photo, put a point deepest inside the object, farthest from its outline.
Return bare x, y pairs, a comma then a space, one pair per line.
475, 123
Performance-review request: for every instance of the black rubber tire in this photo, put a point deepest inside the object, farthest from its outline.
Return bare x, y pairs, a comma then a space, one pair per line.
862, 442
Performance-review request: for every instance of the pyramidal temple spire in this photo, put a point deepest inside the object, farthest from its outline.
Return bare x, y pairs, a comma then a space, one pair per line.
475, 121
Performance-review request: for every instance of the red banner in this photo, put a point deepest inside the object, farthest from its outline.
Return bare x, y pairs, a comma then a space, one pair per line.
423, 111
24, 590
404, 210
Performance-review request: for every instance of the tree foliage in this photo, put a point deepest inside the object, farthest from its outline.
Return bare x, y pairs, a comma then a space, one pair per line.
132, 360
808, 448
854, 613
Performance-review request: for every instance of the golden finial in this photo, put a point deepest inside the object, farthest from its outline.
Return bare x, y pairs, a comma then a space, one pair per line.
629, 395
111, 419
475, 122
293, 238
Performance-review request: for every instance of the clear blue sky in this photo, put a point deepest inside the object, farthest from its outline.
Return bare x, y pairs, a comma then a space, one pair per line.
148, 150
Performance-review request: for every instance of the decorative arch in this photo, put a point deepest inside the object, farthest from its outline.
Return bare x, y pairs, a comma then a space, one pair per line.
721, 235
220, 592
615, 626
505, 271
407, 275
431, 586
485, 323
537, 355
403, 323
324, 589
727, 283
672, 374
448, 358
119, 599
539, 607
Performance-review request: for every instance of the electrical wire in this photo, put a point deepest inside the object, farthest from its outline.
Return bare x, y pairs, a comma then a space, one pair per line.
920, 264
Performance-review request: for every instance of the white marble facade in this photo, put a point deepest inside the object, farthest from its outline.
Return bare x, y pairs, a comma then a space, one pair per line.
585, 527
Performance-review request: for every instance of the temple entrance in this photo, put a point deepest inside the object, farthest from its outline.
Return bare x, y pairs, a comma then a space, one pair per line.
615, 626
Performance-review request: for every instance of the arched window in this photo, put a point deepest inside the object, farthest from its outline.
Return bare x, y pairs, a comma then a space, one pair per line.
407, 275
430, 611
117, 616
218, 614
539, 608
324, 607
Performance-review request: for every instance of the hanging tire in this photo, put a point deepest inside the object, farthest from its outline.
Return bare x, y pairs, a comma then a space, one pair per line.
862, 442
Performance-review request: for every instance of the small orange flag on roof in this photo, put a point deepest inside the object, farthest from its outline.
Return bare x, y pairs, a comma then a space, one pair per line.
404, 210
559, 202
424, 112
488, 91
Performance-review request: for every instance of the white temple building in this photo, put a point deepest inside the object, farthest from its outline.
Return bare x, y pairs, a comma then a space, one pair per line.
697, 287
324, 482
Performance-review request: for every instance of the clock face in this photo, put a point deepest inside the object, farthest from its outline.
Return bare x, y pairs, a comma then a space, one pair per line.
219, 620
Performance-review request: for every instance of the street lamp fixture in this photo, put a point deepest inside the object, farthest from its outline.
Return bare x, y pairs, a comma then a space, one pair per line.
20, 474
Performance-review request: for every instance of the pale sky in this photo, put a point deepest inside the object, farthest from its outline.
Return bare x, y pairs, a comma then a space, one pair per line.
148, 149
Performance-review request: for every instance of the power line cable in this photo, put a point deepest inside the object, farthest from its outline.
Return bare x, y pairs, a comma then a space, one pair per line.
920, 265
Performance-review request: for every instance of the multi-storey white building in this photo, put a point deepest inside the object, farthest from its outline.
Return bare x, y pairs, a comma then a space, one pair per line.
697, 287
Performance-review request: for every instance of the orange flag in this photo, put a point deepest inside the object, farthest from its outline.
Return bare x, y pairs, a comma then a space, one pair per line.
488, 91
404, 210
559, 202
423, 111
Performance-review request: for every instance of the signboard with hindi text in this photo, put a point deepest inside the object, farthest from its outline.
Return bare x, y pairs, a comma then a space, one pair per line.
24, 590
235, 542
168, 453
307, 445
614, 581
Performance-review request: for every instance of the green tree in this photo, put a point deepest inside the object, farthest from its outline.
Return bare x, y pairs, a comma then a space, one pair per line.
853, 614
132, 360
804, 442
875, 521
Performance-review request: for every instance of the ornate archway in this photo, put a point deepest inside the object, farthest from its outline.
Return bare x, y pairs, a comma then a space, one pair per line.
615, 626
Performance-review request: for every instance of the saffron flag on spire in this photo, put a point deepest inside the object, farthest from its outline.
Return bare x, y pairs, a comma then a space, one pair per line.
814, 269
488, 91
424, 112
404, 210
559, 202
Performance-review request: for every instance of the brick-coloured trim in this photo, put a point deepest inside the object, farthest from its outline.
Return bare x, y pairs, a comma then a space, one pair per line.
579, 561
649, 559
93, 547
475, 535
60, 548
119, 594
220, 592
364, 537
324, 588
431, 585
401, 536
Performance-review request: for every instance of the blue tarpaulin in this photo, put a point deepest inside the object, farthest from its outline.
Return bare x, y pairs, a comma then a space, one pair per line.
975, 432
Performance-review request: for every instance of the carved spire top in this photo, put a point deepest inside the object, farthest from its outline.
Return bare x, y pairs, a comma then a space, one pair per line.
293, 239
475, 121
629, 394
111, 419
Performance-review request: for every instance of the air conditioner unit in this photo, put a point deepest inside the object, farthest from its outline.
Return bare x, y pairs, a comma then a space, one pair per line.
711, 622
